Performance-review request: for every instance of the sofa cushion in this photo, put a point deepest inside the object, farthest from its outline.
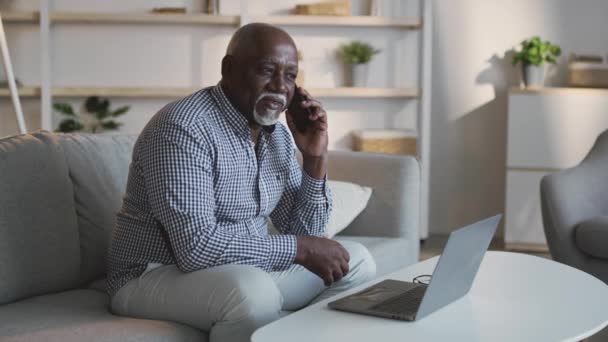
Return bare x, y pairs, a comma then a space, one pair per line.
98, 166
349, 200
390, 254
39, 250
592, 237
82, 315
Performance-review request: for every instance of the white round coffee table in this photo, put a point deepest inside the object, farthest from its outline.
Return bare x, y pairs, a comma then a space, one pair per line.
515, 297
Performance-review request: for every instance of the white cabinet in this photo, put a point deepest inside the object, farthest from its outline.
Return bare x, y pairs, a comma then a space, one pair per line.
523, 210
549, 130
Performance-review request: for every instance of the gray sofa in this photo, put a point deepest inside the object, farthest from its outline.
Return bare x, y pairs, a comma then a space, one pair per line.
58, 198
575, 212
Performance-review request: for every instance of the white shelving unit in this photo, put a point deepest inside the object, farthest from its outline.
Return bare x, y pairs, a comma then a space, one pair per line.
47, 19
549, 129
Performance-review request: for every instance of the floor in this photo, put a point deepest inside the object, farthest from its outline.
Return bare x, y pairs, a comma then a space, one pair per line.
434, 245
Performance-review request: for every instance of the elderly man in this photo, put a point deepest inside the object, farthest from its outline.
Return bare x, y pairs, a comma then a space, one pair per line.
191, 243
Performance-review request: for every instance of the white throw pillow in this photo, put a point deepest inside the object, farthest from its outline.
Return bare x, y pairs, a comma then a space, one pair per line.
349, 200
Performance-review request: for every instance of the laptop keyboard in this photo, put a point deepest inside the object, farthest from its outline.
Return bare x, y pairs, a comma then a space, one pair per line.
405, 304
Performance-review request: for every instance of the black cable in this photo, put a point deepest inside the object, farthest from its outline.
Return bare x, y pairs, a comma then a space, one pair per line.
422, 279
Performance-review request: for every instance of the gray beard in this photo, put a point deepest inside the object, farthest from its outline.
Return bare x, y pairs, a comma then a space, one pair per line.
272, 118
266, 120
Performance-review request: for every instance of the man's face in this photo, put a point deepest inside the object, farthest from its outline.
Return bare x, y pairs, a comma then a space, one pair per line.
267, 81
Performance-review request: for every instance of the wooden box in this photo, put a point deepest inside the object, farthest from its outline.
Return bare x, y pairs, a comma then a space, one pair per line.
588, 75
337, 8
386, 141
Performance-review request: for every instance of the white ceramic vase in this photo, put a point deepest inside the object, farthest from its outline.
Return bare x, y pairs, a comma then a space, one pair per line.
355, 75
533, 75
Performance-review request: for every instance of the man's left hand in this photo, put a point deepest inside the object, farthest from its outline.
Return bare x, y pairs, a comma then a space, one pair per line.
313, 141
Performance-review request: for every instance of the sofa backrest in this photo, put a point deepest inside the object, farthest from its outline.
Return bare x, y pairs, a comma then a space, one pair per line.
571, 197
98, 166
39, 244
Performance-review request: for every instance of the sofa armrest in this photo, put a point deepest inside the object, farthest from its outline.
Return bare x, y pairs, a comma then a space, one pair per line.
393, 209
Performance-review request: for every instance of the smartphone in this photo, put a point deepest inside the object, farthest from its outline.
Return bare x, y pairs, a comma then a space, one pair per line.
300, 115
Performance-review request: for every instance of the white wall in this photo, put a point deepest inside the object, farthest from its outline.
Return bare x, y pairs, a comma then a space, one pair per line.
470, 82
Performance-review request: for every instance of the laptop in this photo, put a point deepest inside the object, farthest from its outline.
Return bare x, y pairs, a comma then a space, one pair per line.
452, 279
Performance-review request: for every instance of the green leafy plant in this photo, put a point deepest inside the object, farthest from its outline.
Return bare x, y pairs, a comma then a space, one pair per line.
536, 52
100, 118
356, 52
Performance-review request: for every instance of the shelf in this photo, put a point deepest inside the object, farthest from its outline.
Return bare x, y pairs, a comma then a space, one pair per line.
20, 17
23, 91
140, 92
347, 92
123, 92
179, 92
363, 21
143, 18
560, 90
233, 20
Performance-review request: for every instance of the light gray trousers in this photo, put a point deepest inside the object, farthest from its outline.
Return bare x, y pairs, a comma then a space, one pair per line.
232, 301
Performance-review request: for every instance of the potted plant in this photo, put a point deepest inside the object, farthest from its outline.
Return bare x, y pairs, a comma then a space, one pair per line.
533, 54
99, 117
356, 56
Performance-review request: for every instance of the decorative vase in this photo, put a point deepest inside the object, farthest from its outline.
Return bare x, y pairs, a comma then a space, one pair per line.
383, 8
355, 75
360, 75
533, 75
212, 7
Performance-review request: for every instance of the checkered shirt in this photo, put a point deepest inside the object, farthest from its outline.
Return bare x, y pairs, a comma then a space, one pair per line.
199, 193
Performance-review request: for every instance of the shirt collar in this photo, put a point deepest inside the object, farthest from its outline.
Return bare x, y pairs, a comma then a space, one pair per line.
235, 119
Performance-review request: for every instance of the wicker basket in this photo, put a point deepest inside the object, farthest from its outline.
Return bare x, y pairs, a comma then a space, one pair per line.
337, 7
386, 141
588, 75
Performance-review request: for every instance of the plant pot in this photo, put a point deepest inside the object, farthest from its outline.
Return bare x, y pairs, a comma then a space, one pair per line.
355, 75
533, 75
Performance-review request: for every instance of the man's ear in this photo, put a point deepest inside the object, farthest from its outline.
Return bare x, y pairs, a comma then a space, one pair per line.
227, 65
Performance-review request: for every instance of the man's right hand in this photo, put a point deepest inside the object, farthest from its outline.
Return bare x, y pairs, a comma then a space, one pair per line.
324, 257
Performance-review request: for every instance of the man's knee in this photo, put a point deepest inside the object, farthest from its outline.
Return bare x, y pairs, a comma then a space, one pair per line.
251, 295
362, 266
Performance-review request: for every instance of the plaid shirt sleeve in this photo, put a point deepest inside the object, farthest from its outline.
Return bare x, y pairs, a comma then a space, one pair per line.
178, 172
305, 204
